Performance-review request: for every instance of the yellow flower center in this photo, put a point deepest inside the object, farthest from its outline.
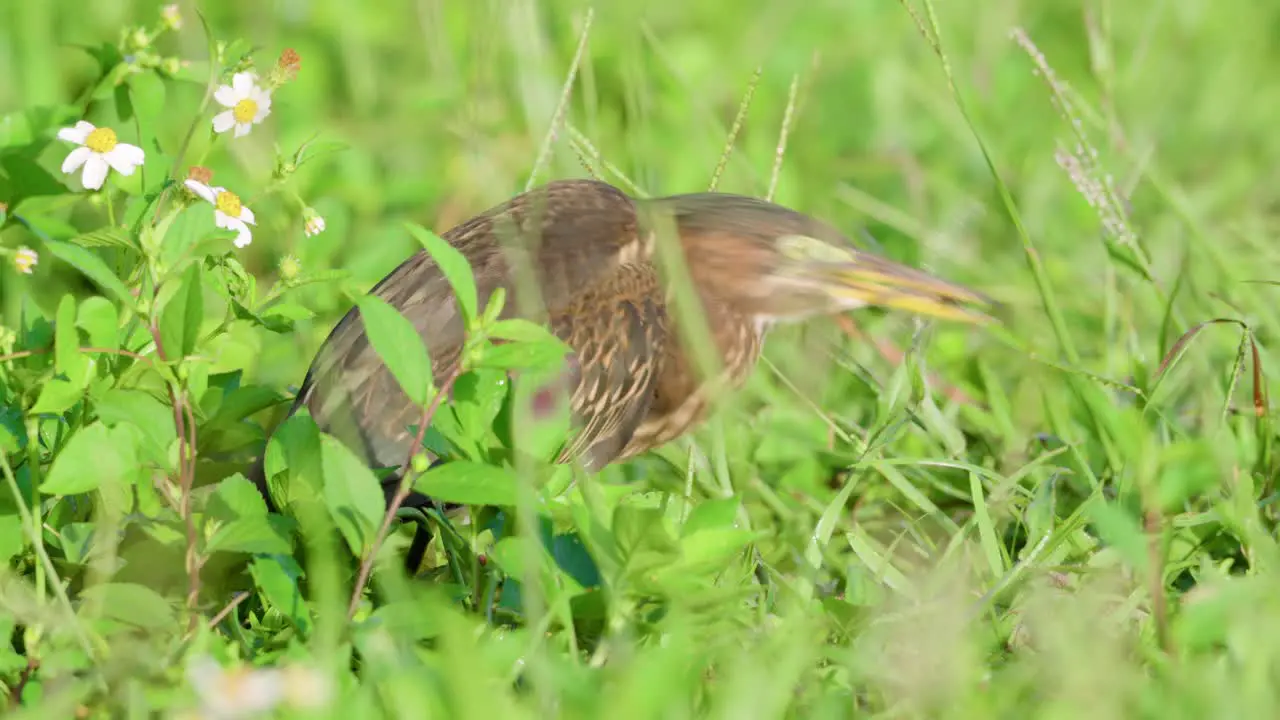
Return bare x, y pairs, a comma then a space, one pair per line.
244, 111
101, 140
228, 203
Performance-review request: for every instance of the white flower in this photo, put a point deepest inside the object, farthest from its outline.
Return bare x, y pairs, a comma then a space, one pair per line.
248, 104
99, 149
171, 16
243, 692
228, 211
25, 259
312, 223
239, 693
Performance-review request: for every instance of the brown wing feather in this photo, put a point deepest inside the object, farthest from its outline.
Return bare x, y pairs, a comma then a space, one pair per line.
580, 239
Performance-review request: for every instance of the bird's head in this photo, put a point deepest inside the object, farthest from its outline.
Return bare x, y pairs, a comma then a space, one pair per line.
781, 266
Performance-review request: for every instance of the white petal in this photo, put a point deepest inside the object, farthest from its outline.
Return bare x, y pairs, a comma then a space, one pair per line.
77, 134
75, 159
199, 188
124, 158
132, 153
95, 171
226, 96
222, 122
243, 235
242, 130
243, 84
223, 220
247, 215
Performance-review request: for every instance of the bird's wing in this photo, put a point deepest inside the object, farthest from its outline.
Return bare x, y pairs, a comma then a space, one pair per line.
577, 242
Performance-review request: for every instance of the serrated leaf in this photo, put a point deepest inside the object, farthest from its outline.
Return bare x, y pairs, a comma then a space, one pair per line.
92, 267
180, 319
352, 493
469, 483
236, 498
453, 265
398, 345
105, 237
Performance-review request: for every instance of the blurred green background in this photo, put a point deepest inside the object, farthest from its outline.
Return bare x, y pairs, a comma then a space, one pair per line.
440, 109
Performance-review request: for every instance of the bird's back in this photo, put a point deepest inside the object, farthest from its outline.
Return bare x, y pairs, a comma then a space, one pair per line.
578, 242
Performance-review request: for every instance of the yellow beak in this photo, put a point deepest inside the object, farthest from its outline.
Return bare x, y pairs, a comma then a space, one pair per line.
871, 280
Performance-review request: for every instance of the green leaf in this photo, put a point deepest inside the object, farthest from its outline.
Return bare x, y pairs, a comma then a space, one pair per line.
98, 318
11, 538
477, 398
1121, 530
129, 603
24, 127
180, 319
77, 541
718, 514
352, 494
56, 397
261, 535
277, 577
105, 237
139, 409
520, 330
453, 265
94, 457
398, 345
243, 402
292, 462
469, 483
236, 498
93, 267
68, 359
711, 549
523, 356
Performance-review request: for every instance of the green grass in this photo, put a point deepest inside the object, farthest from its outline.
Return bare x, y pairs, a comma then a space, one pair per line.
1069, 514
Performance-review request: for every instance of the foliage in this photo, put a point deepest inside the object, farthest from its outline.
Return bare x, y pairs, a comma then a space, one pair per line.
1072, 513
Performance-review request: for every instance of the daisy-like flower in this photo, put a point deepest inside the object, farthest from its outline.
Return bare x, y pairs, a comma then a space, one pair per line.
99, 150
312, 223
25, 259
228, 211
246, 103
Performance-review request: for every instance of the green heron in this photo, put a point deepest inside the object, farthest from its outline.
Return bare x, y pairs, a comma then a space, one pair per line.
592, 250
